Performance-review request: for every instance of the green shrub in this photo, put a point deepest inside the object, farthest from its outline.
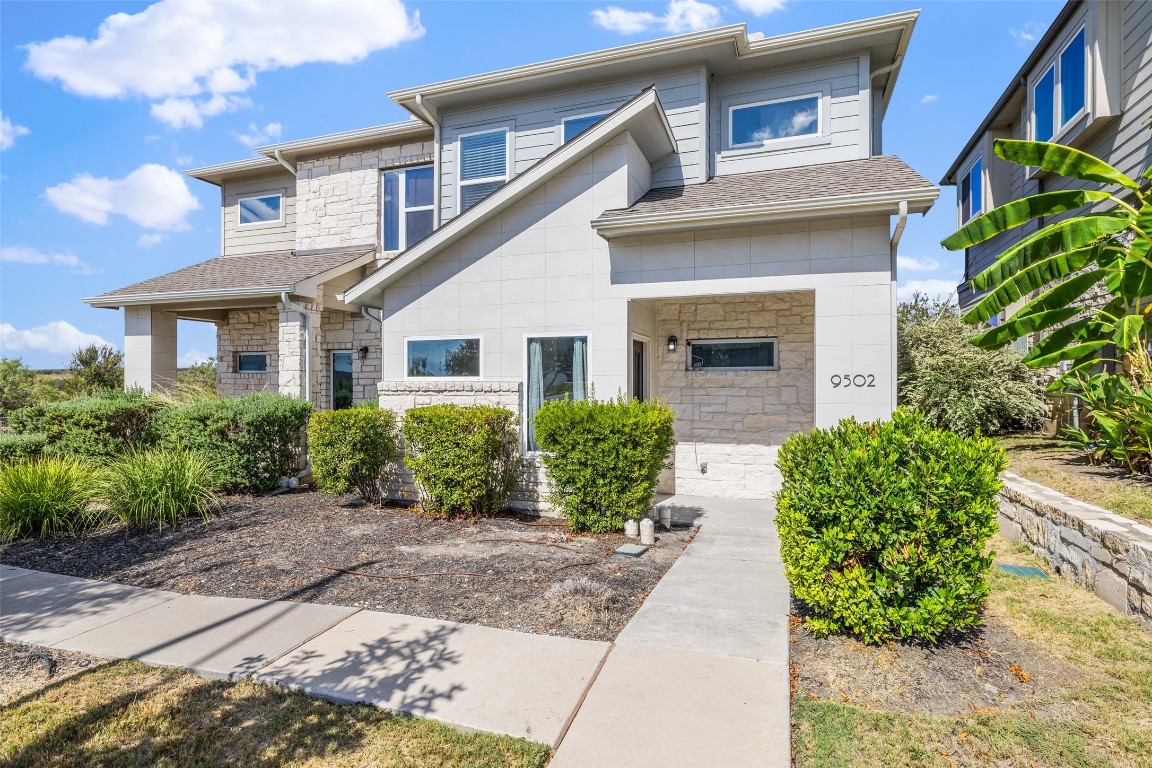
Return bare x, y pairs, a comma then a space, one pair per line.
93, 427
45, 496
604, 458
15, 447
352, 449
159, 486
883, 527
957, 385
253, 440
464, 459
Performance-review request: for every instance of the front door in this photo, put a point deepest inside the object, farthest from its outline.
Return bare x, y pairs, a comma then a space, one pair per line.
341, 380
639, 369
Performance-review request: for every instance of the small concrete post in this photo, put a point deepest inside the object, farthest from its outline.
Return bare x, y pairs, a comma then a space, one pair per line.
631, 530
647, 532
666, 517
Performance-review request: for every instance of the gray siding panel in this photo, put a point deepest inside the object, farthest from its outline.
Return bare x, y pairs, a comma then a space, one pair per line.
281, 237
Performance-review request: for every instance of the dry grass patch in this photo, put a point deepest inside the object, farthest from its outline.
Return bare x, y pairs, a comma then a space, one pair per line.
1048, 461
129, 714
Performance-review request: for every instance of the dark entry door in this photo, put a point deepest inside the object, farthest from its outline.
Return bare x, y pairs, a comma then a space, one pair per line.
639, 370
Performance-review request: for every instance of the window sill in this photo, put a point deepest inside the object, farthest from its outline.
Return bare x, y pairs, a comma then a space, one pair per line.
778, 145
1077, 135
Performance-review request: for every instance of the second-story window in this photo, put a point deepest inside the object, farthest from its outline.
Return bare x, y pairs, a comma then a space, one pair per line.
262, 209
1059, 96
753, 125
972, 192
574, 126
483, 165
408, 203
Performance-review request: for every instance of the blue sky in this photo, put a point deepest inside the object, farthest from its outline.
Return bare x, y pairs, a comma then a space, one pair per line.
100, 122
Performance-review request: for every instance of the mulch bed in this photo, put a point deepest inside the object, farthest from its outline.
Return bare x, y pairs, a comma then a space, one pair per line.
990, 667
25, 669
285, 547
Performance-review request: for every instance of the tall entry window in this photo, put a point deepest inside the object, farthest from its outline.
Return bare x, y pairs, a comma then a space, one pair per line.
341, 380
557, 369
408, 203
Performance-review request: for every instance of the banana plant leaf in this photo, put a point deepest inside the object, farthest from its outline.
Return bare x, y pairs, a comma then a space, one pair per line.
1128, 332
1082, 352
1066, 235
1061, 160
1019, 212
1030, 279
1063, 293
1019, 325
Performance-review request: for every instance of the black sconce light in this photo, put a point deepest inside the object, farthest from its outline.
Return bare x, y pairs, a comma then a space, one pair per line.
363, 352
672, 343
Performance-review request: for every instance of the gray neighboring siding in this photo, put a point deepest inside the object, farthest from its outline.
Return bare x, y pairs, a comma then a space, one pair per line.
264, 237
534, 126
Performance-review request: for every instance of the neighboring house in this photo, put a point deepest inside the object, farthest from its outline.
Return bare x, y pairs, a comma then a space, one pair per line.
703, 219
1087, 84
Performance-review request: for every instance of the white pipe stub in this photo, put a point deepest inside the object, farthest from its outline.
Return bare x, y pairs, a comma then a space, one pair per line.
647, 532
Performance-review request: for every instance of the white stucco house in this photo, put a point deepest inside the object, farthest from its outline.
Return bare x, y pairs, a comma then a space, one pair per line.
708, 219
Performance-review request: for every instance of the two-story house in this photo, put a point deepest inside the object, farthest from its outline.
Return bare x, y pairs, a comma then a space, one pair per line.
1087, 84
705, 219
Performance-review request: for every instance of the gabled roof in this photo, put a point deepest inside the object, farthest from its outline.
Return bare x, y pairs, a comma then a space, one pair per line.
643, 117
874, 184
236, 276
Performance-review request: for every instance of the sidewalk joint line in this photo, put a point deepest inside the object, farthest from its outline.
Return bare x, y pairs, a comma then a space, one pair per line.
584, 695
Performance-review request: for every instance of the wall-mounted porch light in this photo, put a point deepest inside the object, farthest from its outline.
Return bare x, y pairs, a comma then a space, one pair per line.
363, 353
672, 343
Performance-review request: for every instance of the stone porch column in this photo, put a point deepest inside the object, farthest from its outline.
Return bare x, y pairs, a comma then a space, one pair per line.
292, 368
149, 348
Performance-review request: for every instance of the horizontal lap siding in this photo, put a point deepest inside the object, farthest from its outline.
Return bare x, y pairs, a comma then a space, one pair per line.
239, 242
534, 126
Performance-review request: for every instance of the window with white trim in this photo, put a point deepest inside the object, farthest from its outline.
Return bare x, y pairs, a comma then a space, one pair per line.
755, 125
1059, 96
452, 358
483, 166
260, 209
408, 203
971, 192
732, 354
574, 126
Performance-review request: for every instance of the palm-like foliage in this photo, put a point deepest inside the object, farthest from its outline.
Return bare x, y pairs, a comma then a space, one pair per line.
1110, 248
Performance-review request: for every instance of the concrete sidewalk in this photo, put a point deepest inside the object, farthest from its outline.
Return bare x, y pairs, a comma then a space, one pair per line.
699, 676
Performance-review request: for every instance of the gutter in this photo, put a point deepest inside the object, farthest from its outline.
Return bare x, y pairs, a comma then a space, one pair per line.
115, 302
280, 159
306, 316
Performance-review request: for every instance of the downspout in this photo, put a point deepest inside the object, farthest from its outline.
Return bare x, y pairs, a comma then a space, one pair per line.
307, 318
369, 316
280, 159
428, 118
901, 222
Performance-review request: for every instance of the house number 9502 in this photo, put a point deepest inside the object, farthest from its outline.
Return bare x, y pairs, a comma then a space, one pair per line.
859, 380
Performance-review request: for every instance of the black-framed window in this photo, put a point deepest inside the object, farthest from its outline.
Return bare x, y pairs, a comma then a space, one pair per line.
732, 354
250, 362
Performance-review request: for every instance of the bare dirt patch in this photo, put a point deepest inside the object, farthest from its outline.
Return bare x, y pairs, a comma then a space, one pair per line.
301, 546
25, 669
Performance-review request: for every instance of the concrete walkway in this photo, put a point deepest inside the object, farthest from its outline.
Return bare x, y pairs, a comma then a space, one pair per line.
699, 677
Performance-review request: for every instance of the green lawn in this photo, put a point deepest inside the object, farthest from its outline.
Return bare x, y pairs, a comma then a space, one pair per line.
1103, 720
1045, 460
129, 714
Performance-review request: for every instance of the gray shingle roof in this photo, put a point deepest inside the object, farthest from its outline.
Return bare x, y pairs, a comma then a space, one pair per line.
277, 271
875, 174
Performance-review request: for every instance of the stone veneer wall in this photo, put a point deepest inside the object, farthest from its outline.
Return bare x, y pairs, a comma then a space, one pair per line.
338, 198
735, 421
344, 331
1109, 554
247, 330
399, 396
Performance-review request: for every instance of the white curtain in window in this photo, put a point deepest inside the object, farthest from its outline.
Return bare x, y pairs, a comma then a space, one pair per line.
580, 368
535, 388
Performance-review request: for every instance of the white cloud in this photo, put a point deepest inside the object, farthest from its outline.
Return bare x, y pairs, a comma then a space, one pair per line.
9, 132
760, 7
928, 98
679, 16
191, 357
913, 264
934, 288
152, 196
150, 240
58, 337
257, 136
183, 160
22, 254
1028, 33
194, 59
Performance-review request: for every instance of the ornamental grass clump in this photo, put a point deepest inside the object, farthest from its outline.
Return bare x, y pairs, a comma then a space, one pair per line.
884, 526
160, 487
604, 458
41, 497
464, 459
353, 449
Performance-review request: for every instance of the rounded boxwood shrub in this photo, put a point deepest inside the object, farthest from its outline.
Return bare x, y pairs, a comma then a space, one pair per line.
883, 527
14, 447
45, 496
464, 459
353, 449
159, 486
603, 458
253, 439
94, 427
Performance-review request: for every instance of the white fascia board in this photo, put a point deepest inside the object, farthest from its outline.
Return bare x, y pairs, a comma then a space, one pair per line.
919, 201
835, 33
173, 297
344, 139
215, 174
526, 182
310, 286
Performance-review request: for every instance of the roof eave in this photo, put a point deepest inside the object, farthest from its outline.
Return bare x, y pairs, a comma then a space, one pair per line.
920, 200
347, 139
216, 174
174, 297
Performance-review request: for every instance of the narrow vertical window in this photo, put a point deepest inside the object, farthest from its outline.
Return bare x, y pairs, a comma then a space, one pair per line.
1072, 71
408, 206
1044, 105
483, 166
341, 380
557, 369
